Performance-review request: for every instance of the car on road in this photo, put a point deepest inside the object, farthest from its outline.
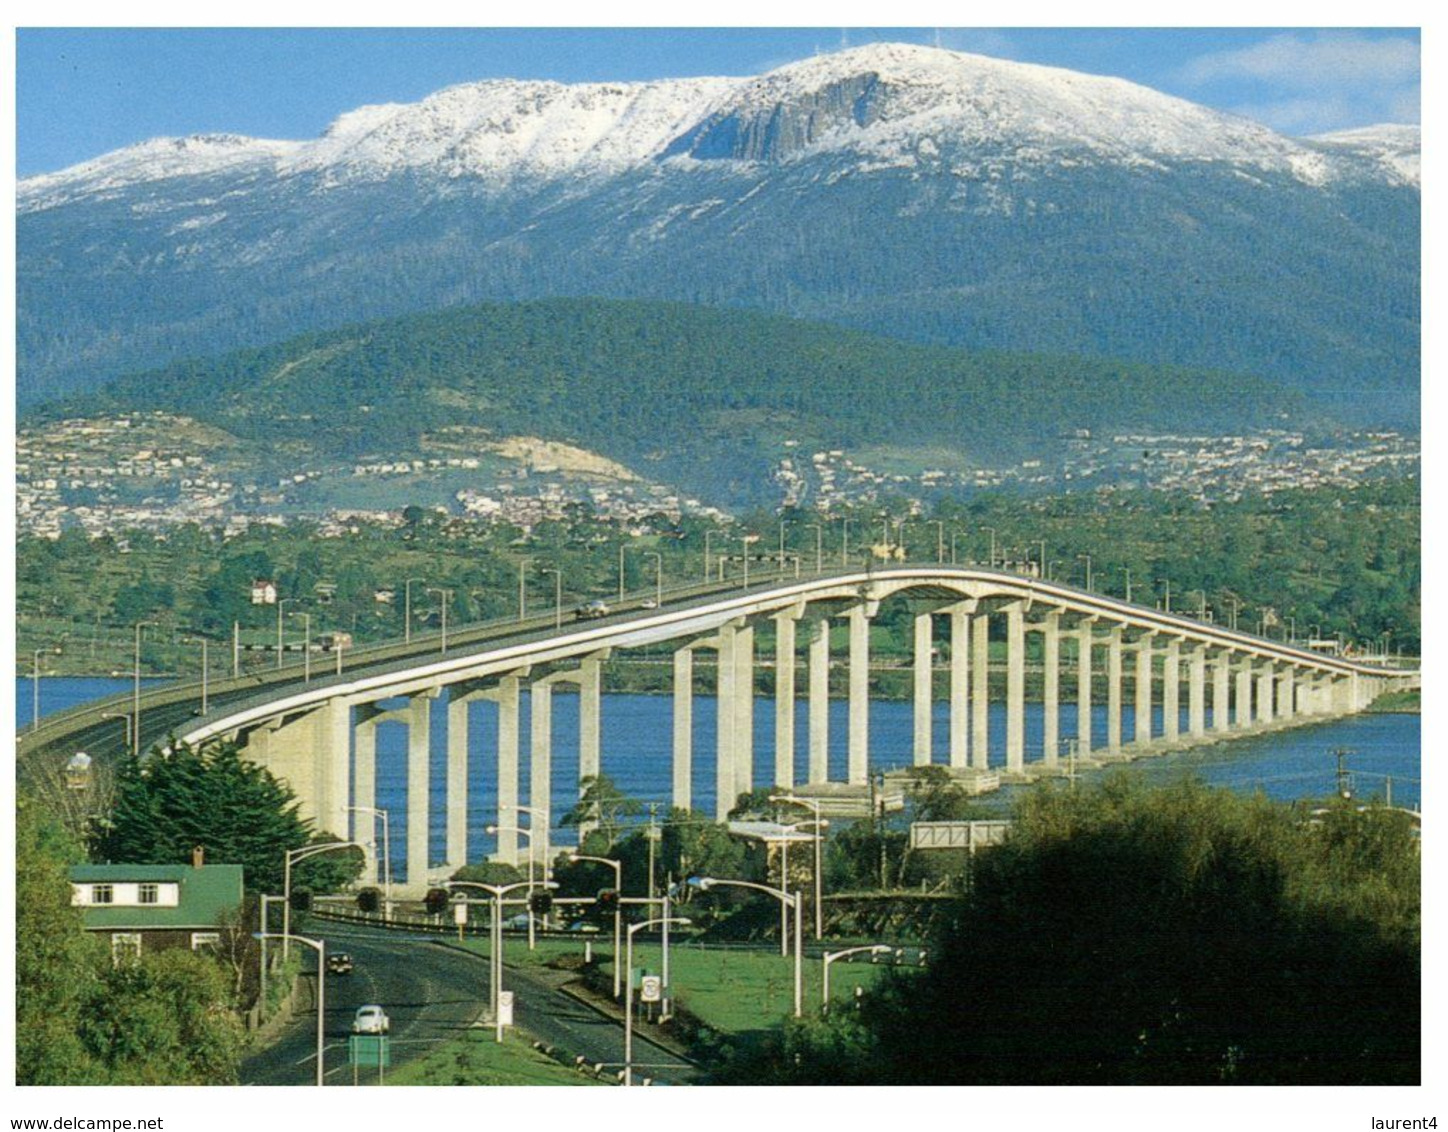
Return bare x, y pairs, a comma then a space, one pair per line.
371, 1019
648, 603
591, 611
339, 963
582, 926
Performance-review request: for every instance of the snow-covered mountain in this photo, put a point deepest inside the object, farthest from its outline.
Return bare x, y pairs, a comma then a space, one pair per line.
913, 190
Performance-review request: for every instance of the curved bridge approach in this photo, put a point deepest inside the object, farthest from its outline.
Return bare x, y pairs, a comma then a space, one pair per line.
317, 730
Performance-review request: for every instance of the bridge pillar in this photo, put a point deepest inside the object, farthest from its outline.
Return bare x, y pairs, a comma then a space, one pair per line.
419, 760
540, 748
1221, 666
1015, 688
683, 727
819, 701
1171, 716
1113, 690
1050, 627
724, 796
960, 683
457, 780
1197, 692
334, 766
1142, 712
743, 712
859, 749
364, 787
509, 717
980, 691
1243, 718
784, 656
1286, 684
923, 676
1264, 691
1085, 636
590, 719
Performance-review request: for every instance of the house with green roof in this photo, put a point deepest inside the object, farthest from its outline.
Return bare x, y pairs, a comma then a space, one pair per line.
146, 908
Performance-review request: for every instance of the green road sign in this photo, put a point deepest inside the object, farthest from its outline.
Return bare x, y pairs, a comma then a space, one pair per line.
369, 1050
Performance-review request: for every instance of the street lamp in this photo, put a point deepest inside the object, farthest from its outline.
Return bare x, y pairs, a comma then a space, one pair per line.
320, 947
992, 532
496, 943
819, 546
280, 606
953, 536
620, 572
292, 856
306, 644
443, 595
205, 679
126, 719
939, 541
522, 589
820, 825
707, 559
845, 543
831, 956
386, 853
1128, 585
1088, 568
617, 867
791, 900
557, 596
658, 576
136, 692
1167, 583
680, 921
493, 831
35, 685
407, 608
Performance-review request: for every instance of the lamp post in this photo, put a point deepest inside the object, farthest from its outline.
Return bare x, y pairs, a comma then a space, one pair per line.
493, 831
845, 543
992, 531
407, 608
386, 854
939, 540
320, 947
126, 719
282, 604
522, 589
819, 546
953, 535
791, 900
557, 596
1128, 583
291, 857
620, 572
136, 692
1041, 565
781, 546
831, 956
35, 685
1167, 583
1087, 557
820, 826
205, 676
306, 645
680, 921
617, 867
658, 576
443, 596
708, 536
496, 942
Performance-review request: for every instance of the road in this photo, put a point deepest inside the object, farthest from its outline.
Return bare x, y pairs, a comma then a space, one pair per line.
433, 993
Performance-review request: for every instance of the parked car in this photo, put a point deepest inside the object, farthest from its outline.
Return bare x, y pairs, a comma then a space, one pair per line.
339, 963
371, 1019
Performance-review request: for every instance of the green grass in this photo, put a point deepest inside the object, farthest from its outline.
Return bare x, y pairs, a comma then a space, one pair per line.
476, 1059
1408, 701
729, 991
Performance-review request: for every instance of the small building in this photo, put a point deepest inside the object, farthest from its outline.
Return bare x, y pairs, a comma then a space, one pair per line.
263, 592
145, 908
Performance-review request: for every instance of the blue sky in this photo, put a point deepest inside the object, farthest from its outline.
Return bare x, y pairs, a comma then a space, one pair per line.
82, 92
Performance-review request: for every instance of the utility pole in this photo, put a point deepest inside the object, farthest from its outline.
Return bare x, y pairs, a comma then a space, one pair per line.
652, 837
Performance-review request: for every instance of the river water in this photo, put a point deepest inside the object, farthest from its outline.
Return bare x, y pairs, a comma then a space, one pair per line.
637, 735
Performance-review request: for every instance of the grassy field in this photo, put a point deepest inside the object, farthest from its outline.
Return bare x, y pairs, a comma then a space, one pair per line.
476, 1059
730, 991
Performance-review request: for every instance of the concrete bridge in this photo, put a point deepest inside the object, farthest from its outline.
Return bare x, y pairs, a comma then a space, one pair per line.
319, 733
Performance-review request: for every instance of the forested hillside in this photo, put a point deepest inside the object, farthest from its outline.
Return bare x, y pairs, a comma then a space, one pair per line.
696, 396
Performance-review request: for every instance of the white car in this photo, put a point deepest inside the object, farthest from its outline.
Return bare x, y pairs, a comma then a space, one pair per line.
370, 1020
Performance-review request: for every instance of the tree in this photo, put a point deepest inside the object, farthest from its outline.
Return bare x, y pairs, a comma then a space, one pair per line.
1169, 936
166, 804
602, 805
